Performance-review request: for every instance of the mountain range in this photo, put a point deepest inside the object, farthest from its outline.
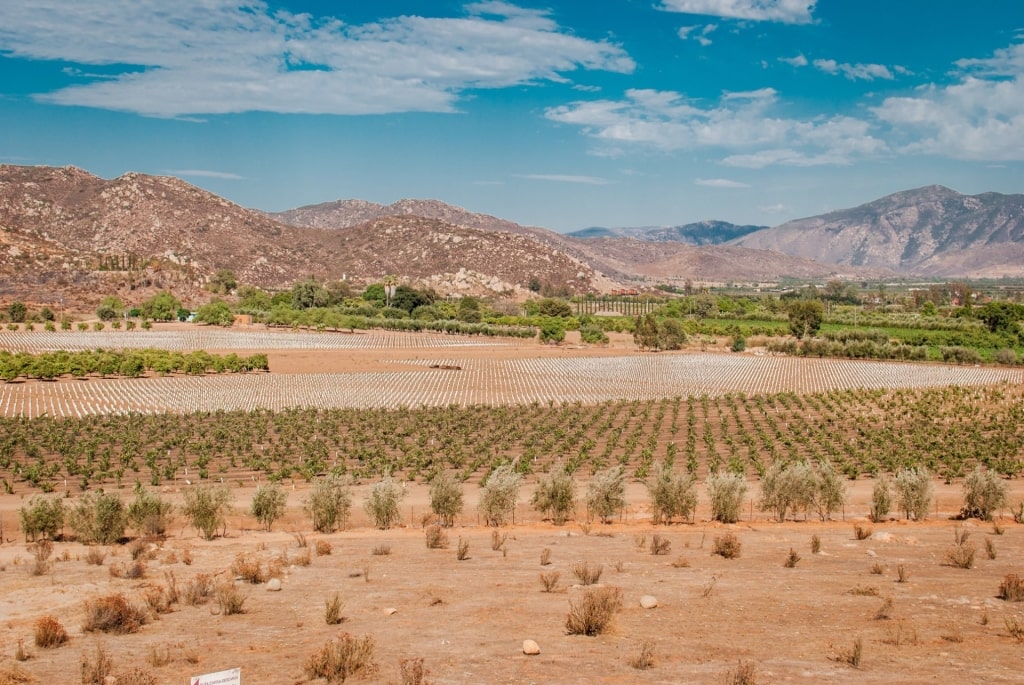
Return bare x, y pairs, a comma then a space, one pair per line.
67, 233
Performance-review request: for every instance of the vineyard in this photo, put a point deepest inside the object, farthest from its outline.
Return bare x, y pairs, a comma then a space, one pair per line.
486, 382
861, 431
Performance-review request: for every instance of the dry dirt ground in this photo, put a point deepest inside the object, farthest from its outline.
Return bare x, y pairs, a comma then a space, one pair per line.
467, 619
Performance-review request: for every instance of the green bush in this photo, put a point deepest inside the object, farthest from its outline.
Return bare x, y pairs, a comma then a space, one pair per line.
984, 493
446, 499
555, 496
593, 335
149, 513
671, 495
382, 503
99, 517
726, 491
606, 494
499, 495
329, 504
42, 518
881, 498
914, 491
206, 508
268, 504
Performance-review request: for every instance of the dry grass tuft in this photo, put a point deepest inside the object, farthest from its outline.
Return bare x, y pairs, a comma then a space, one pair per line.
436, 538
1012, 588
13, 674
660, 545
498, 540
323, 548
545, 556
199, 590
113, 614
727, 546
332, 610
48, 632
593, 613
382, 550
864, 591
745, 673
1014, 627
413, 672
853, 655
990, 548
97, 668
342, 658
587, 574
901, 634
230, 599
884, 612
815, 544
862, 532
95, 556
549, 580
248, 568
41, 552
643, 659
961, 555
792, 559
902, 574
136, 676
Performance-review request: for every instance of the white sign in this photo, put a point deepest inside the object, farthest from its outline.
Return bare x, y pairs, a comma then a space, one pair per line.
230, 677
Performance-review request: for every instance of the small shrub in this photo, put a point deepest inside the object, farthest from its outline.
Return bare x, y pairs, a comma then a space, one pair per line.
99, 517
206, 508
48, 632
381, 550
1014, 627
323, 548
884, 612
961, 556
792, 559
113, 614
644, 658
861, 532
136, 676
660, 545
498, 540
230, 599
13, 674
671, 495
342, 658
149, 514
990, 549
332, 610
268, 504
853, 655
587, 574
592, 614
41, 551
249, 568
984, 493
42, 518
97, 668
606, 494
446, 498
199, 590
555, 496
413, 672
727, 546
902, 575
881, 499
726, 491
436, 538
382, 504
329, 504
815, 544
462, 551
681, 562
20, 653
138, 547
902, 633
545, 556
877, 568
303, 558
549, 580
864, 591
914, 491
1012, 588
499, 495
745, 673
787, 489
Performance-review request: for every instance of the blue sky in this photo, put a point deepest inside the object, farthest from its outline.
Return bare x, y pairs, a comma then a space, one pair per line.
556, 113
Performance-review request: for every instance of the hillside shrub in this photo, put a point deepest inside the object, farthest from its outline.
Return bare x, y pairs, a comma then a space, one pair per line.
881, 498
913, 486
329, 504
984, 493
499, 495
98, 517
555, 496
671, 495
42, 518
726, 491
446, 498
206, 508
268, 504
606, 494
382, 503
149, 513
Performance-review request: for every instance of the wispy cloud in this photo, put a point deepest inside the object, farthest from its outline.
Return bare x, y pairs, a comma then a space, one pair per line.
782, 11
720, 183
224, 56
774, 209
205, 173
797, 61
855, 72
699, 33
744, 125
566, 178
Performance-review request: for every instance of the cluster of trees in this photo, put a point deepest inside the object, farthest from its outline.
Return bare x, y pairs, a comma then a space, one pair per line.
651, 334
128, 364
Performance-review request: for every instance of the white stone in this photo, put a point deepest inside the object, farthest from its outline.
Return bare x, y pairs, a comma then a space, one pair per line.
274, 585
648, 601
530, 647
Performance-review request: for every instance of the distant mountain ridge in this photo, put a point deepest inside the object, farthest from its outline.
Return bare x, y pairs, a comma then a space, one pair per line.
709, 232
932, 231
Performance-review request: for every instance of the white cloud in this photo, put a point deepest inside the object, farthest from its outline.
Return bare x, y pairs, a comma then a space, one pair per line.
979, 118
798, 61
565, 178
783, 11
720, 183
742, 124
205, 173
224, 56
864, 72
774, 209
700, 33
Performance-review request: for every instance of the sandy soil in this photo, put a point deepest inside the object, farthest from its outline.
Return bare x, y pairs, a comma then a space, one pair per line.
468, 619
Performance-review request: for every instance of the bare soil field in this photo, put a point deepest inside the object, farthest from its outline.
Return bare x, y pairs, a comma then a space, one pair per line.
468, 619
917, 618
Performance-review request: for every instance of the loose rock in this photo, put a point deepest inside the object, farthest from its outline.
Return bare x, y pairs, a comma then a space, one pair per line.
530, 647
648, 601
274, 585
